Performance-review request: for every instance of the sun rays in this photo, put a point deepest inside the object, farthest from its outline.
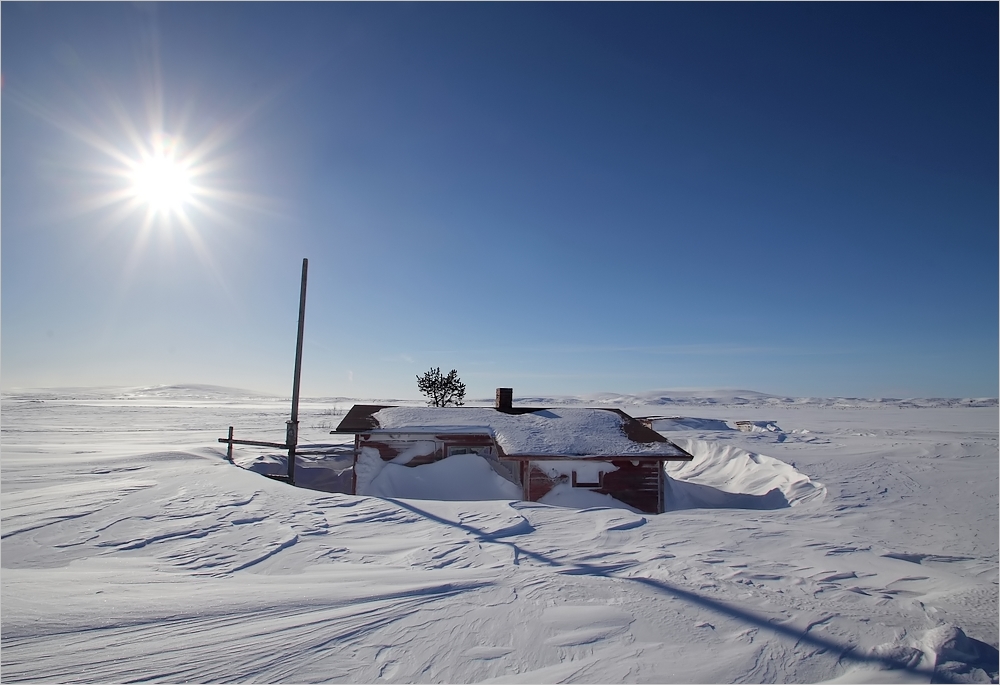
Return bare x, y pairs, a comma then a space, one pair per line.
149, 183
142, 165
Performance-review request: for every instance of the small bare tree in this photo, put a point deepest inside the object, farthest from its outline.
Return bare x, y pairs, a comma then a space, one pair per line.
442, 390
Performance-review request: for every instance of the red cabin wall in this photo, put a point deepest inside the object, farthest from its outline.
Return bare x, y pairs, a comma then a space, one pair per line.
638, 484
538, 483
390, 449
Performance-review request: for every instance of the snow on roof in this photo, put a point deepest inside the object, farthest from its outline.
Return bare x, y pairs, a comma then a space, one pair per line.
563, 431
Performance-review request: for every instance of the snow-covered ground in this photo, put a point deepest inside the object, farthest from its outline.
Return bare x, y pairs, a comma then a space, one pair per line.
848, 540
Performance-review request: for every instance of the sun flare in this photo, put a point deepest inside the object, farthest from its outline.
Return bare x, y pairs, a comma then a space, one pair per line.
162, 183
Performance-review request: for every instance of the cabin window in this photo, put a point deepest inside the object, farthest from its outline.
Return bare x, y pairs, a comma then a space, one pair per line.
481, 450
588, 481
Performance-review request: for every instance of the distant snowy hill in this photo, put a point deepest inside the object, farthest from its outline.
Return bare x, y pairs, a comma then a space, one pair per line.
196, 392
679, 398
750, 398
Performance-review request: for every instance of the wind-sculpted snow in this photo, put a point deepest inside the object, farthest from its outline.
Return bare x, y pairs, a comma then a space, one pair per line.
726, 476
131, 550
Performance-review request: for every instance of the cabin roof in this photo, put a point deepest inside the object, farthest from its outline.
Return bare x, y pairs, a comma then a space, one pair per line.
524, 431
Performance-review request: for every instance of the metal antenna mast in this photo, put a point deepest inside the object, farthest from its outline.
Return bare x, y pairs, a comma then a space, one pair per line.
292, 431
292, 425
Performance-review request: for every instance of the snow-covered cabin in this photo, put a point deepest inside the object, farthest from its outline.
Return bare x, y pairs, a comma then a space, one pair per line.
602, 450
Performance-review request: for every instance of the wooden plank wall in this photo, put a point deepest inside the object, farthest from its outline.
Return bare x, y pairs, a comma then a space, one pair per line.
538, 483
390, 449
637, 485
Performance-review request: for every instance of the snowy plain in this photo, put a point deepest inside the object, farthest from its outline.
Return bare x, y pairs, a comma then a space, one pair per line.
837, 540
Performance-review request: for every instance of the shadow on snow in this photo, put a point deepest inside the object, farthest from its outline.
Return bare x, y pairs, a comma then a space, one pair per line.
986, 658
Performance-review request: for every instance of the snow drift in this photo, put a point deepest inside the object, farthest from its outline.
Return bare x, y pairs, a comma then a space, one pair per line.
728, 477
460, 477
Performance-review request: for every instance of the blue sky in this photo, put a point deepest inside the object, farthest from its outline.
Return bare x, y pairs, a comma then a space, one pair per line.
564, 198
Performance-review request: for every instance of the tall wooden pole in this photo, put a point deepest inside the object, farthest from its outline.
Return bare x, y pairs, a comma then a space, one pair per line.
292, 434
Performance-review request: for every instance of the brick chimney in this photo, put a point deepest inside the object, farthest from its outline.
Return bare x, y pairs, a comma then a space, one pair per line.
505, 399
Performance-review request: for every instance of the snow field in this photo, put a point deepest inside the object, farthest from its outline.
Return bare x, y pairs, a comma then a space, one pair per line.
132, 550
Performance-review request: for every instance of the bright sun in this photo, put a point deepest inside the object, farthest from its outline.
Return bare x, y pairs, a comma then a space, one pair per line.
147, 180
162, 183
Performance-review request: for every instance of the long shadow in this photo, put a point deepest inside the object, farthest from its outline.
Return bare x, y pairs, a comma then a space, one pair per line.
482, 536
846, 652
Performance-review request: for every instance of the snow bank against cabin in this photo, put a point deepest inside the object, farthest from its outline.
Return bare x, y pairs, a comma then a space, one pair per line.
459, 477
562, 431
725, 476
